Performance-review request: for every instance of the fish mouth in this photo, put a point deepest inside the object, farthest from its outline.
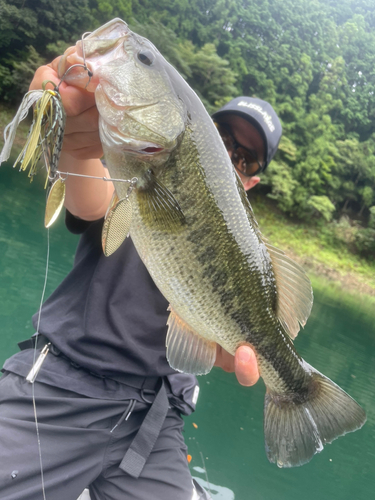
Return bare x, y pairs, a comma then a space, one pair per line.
147, 150
151, 150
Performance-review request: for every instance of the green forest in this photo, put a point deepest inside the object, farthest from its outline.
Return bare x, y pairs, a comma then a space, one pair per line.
313, 60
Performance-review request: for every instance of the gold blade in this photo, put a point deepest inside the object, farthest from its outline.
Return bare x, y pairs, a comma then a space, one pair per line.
116, 226
55, 202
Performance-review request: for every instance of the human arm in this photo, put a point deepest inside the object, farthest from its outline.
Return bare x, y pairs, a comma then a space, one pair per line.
85, 198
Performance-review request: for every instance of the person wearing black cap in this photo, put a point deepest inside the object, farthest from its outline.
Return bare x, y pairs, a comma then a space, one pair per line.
251, 132
109, 405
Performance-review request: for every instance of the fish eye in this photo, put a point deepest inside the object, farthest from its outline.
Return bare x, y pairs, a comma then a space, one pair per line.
146, 57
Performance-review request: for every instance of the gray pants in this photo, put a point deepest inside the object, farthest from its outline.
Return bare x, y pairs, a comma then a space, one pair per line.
82, 447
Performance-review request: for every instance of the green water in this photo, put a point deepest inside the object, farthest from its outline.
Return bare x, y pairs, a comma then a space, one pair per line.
227, 446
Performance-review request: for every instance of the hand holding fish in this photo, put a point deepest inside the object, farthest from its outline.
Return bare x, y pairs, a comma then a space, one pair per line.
81, 138
81, 152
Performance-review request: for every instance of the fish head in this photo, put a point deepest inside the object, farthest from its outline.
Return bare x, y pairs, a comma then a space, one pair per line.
140, 111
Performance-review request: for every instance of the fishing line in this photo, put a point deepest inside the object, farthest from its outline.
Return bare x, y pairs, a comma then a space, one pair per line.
83, 46
38, 362
205, 470
35, 349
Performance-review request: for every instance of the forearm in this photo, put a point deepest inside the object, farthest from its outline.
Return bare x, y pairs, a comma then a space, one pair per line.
86, 198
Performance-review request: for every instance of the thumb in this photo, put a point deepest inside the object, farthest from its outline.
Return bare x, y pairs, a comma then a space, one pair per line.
246, 366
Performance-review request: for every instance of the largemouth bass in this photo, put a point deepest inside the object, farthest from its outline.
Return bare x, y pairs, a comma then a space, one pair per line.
194, 228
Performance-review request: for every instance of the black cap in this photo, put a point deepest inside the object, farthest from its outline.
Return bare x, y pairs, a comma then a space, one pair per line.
260, 114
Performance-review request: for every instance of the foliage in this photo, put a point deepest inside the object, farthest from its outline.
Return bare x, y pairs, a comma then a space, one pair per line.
6, 79
317, 246
24, 70
321, 205
36, 23
105, 10
311, 59
280, 179
210, 75
365, 237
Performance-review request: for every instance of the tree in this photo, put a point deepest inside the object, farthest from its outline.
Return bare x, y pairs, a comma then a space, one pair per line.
36, 23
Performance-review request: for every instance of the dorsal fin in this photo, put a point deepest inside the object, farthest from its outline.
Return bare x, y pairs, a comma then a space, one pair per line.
294, 292
295, 296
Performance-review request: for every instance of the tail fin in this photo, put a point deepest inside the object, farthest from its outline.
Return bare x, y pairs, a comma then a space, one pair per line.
297, 429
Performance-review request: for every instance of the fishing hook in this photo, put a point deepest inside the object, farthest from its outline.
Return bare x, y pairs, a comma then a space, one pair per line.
84, 65
69, 69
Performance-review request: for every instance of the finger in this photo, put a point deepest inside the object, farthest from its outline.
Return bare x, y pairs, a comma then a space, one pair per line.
75, 100
87, 153
56, 62
84, 122
74, 142
246, 366
41, 74
224, 359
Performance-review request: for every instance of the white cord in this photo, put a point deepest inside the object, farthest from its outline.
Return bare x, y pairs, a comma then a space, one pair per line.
33, 385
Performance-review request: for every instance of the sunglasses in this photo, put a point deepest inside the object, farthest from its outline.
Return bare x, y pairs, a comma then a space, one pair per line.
244, 160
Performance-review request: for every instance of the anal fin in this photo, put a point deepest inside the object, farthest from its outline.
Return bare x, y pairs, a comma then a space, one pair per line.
187, 351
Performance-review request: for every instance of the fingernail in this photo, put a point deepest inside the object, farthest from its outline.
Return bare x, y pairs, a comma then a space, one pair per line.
245, 355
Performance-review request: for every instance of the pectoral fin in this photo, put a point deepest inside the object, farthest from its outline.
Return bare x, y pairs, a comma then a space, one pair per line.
295, 296
158, 207
55, 202
116, 224
187, 351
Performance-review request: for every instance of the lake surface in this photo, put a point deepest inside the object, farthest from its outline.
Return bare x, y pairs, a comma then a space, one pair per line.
226, 441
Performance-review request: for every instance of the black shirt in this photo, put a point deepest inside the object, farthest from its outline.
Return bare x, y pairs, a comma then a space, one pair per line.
107, 315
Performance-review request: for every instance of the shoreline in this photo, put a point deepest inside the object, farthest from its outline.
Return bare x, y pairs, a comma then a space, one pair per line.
300, 243
349, 282
269, 219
